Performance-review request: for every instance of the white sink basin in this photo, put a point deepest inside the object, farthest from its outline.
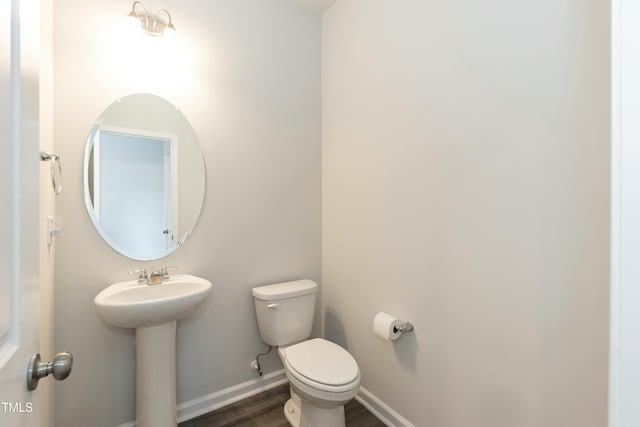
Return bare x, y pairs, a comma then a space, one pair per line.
132, 305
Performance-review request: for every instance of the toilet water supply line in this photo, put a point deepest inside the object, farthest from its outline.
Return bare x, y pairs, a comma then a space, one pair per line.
257, 366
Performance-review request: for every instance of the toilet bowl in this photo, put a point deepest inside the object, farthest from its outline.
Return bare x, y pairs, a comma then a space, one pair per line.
322, 376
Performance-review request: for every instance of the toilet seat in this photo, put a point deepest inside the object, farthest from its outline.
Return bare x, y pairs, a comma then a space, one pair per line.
322, 365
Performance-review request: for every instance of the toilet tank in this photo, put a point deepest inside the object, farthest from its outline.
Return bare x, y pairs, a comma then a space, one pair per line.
285, 311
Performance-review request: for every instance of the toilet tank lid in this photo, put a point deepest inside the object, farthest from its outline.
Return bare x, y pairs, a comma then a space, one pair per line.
285, 290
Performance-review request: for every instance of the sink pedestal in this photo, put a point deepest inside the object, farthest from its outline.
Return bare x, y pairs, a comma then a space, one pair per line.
156, 376
153, 310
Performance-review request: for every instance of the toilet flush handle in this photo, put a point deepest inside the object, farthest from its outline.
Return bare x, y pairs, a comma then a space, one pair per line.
273, 306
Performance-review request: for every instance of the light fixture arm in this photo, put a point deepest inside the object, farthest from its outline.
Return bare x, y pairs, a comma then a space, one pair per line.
168, 24
145, 15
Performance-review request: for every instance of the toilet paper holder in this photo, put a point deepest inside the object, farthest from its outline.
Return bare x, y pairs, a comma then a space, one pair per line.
405, 327
389, 327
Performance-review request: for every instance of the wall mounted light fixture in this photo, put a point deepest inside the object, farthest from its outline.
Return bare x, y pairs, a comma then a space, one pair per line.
153, 25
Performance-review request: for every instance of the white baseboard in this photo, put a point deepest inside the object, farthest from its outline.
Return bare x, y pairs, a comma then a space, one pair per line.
213, 401
381, 410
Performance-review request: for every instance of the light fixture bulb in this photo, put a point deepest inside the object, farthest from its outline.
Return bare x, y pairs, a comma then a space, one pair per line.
170, 32
133, 22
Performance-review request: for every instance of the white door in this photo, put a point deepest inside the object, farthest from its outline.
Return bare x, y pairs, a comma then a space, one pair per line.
134, 194
19, 225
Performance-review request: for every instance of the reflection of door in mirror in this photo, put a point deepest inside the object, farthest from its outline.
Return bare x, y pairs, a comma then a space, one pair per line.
135, 188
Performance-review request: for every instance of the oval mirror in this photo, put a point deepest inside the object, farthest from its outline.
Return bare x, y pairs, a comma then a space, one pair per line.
144, 177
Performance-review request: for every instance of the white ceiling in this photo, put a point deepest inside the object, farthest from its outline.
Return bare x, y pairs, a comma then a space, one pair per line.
317, 5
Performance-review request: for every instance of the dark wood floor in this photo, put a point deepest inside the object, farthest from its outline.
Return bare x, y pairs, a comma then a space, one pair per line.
267, 410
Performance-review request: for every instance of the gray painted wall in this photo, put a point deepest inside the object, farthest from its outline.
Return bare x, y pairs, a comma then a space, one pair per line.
465, 187
465, 173
247, 76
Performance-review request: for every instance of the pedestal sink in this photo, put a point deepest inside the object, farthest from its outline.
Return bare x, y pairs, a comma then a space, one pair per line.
153, 310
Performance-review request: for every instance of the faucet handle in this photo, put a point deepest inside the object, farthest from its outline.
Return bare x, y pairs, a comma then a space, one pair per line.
142, 275
165, 272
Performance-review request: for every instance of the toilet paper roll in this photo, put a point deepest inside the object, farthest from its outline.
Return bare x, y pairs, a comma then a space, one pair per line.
385, 326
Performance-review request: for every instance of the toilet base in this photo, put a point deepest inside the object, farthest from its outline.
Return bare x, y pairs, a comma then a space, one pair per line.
301, 413
292, 413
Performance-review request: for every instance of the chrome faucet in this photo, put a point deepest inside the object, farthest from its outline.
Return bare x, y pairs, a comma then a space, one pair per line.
154, 278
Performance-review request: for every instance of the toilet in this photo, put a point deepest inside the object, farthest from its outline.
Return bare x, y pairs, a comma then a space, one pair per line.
322, 376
